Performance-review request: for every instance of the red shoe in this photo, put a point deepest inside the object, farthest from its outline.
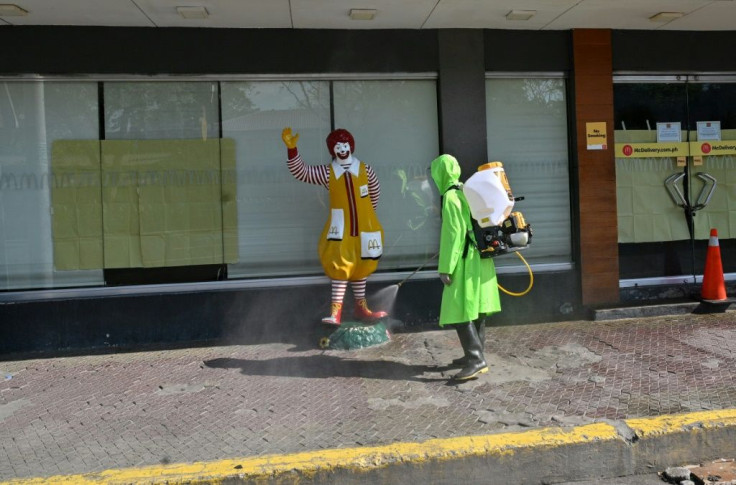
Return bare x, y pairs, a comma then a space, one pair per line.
363, 313
335, 315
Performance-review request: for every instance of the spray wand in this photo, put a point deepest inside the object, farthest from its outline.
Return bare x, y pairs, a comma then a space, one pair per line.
417, 270
510, 293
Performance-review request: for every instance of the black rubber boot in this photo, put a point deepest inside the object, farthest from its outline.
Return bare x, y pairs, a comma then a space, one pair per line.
473, 348
460, 361
480, 327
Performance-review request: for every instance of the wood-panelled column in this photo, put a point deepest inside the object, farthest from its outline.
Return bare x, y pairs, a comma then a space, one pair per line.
593, 81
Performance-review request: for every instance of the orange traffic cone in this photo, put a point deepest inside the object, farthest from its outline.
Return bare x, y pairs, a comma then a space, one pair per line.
714, 287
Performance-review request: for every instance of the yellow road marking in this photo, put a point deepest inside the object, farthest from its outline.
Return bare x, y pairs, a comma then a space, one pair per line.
370, 457
673, 423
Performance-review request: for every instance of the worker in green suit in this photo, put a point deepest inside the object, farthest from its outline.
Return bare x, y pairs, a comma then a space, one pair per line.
470, 293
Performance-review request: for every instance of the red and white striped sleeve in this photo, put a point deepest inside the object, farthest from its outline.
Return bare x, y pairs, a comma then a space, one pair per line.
311, 174
374, 188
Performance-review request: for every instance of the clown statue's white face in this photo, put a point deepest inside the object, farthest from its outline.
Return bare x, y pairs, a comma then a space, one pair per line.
342, 150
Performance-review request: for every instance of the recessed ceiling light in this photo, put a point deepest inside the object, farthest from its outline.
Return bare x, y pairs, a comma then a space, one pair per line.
10, 10
193, 12
362, 13
520, 14
666, 16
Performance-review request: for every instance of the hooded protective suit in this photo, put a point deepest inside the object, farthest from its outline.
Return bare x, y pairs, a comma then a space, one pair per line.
474, 289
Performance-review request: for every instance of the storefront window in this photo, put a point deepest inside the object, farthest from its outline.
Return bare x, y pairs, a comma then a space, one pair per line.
161, 110
279, 218
165, 201
527, 131
658, 240
193, 175
395, 128
34, 117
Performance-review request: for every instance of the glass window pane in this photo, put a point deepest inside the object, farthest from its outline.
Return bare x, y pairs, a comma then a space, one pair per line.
161, 110
162, 166
395, 127
527, 131
280, 219
33, 116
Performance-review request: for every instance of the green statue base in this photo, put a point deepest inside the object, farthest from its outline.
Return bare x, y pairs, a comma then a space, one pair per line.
355, 335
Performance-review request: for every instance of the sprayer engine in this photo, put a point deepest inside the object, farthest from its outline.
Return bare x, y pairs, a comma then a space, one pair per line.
514, 234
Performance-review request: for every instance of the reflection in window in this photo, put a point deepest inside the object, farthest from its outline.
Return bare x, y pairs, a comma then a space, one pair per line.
527, 131
33, 116
396, 132
642, 106
161, 110
164, 197
277, 221
279, 218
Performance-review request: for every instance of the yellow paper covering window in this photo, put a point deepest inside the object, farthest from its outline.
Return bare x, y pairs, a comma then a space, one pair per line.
76, 208
159, 203
645, 211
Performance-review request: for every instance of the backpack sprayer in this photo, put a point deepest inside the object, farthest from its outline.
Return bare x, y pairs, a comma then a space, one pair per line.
496, 228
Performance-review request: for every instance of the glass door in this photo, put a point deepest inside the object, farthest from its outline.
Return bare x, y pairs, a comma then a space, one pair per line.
675, 140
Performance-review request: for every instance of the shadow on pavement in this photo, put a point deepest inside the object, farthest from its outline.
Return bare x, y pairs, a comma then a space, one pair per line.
325, 366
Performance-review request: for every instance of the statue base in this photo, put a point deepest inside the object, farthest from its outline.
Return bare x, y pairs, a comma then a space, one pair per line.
354, 335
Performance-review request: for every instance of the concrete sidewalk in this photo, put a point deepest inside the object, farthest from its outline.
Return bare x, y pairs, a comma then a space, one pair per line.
563, 401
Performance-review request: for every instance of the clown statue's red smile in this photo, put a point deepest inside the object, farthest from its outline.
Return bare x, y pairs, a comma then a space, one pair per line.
342, 150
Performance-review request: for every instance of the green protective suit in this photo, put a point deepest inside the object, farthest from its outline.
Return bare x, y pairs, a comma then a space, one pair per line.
474, 289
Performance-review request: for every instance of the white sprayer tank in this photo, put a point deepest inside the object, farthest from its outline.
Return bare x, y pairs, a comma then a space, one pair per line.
489, 195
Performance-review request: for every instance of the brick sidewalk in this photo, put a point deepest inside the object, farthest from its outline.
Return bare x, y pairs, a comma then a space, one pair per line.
91, 413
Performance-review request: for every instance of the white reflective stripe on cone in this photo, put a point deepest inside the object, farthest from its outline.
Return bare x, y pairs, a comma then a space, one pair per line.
713, 241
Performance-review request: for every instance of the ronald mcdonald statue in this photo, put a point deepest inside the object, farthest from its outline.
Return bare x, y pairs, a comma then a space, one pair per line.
352, 239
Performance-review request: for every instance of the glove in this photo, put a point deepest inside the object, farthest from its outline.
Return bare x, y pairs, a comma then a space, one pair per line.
446, 279
289, 139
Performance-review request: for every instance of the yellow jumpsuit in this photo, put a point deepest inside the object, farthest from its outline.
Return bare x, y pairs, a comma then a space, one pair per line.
352, 239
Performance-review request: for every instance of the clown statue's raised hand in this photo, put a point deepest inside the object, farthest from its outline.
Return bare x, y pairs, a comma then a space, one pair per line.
352, 239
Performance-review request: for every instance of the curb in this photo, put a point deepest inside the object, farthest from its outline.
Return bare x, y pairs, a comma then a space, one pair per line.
604, 449
664, 309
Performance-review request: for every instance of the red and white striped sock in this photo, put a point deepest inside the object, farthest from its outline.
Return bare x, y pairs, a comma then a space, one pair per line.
358, 289
338, 290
